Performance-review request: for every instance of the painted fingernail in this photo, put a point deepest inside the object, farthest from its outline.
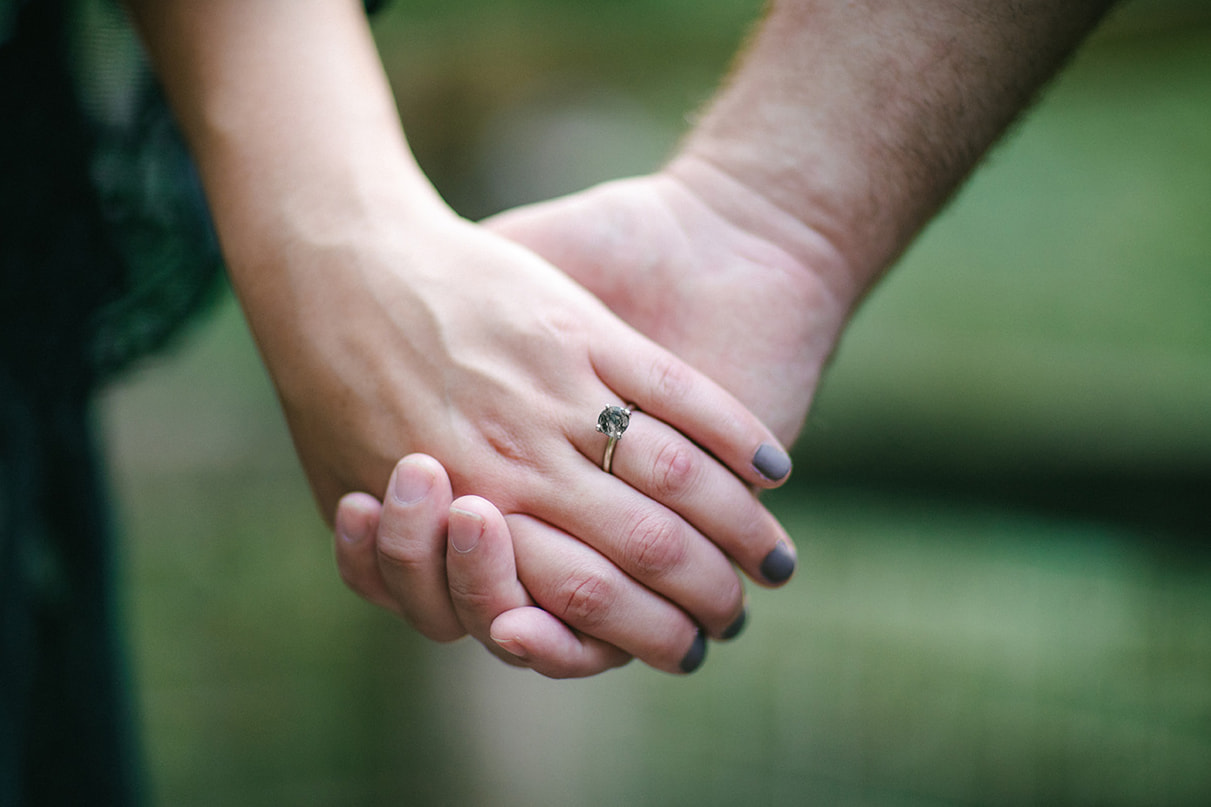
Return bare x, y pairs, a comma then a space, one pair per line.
465, 530
779, 564
411, 484
696, 655
771, 462
733, 630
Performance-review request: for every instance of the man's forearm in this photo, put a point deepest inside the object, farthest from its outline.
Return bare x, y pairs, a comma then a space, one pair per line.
860, 118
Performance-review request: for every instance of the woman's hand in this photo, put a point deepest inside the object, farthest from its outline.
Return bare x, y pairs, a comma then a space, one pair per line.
753, 306
451, 341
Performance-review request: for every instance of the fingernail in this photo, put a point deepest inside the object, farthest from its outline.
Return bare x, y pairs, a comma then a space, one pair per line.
350, 528
513, 646
779, 564
465, 530
412, 483
733, 630
771, 462
696, 655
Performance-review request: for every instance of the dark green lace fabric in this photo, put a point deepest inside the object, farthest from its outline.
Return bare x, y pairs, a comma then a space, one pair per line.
106, 245
106, 249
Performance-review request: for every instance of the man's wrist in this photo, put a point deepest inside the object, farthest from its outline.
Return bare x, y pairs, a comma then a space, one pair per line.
859, 122
748, 207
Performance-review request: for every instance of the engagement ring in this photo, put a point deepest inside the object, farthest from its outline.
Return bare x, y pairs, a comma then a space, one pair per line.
612, 422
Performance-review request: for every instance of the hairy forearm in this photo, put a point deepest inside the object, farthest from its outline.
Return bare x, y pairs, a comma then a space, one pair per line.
860, 118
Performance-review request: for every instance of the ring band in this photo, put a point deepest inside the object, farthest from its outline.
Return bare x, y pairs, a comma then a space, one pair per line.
612, 422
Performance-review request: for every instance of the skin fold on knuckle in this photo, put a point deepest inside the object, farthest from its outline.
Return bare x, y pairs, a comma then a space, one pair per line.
654, 546
504, 439
397, 556
587, 599
475, 600
674, 472
671, 381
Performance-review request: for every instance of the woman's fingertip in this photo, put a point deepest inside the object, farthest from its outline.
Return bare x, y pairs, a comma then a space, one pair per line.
779, 564
771, 462
694, 657
733, 630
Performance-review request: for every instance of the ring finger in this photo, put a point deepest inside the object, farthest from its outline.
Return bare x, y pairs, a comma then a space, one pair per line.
662, 464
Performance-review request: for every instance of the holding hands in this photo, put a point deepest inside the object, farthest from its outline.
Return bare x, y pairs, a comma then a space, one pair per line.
842, 132
748, 311
487, 357
390, 327
709, 295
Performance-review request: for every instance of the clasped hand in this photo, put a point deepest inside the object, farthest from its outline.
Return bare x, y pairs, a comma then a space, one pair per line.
556, 564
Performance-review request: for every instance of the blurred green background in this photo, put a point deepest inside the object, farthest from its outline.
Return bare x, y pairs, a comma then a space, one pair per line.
1000, 503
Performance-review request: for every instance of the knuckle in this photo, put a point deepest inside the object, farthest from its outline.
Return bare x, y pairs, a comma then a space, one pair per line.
502, 435
672, 380
469, 595
654, 546
563, 327
587, 599
674, 471
397, 555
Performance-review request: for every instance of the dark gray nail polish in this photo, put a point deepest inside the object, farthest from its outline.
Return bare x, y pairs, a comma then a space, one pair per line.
696, 655
779, 564
733, 630
771, 462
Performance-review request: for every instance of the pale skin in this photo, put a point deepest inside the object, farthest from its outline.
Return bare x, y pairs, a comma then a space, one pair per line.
844, 129
390, 326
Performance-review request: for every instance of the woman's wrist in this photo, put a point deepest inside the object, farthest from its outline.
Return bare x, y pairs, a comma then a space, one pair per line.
290, 118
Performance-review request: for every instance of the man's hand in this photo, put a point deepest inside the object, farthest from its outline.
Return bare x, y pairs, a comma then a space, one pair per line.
842, 132
749, 302
753, 314
474, 580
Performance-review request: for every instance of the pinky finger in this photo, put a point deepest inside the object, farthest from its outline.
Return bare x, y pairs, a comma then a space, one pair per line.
551, 648
357, 517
